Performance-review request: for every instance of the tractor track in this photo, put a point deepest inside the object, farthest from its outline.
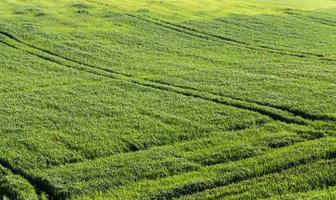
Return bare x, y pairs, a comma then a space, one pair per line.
285, 116
275, 112
196, 187
295, 112
298, 15
213, 37
219, 38
53, 193
38, 186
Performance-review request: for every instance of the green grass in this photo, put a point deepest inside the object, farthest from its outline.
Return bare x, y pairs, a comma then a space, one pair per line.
141, 99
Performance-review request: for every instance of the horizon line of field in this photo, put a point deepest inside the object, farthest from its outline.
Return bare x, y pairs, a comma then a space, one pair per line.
287, 115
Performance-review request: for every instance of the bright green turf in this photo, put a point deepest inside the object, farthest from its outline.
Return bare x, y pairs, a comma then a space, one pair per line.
165, 99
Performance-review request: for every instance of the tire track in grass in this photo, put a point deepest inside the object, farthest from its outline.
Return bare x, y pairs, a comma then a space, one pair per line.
296, 14
115, 75
244, 175
231, 128
309, 173
219, 175
275, 114
213, 37
295, 112
38, 187
283, 108
53, 192
64, 195
227, 40
194, 188
13, 186
219, 38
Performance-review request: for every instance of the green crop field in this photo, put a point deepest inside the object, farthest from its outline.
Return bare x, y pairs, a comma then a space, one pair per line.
167, 99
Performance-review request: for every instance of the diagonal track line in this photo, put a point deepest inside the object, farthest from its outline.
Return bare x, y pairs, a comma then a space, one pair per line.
219, 38
295, 112
298, 15
38, 187
65, 195
276, 114
192, 188
213, 37
219, 184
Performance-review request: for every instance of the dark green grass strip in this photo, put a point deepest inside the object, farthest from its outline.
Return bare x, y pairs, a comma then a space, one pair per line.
273, 113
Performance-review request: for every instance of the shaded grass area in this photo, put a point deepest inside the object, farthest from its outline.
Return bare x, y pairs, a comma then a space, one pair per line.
14, 186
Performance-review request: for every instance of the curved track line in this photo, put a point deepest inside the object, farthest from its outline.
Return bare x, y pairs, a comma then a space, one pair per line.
222, 196
298, 15
276, 114
38, 186
212, 37
295, 112
65, 195
191, 188
209, 36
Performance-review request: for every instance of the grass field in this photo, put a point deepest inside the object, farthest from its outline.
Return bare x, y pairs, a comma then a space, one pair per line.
167, 99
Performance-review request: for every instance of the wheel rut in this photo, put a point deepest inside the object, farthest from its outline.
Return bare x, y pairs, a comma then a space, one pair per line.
278, 113
213, 37
201, 186
38, 186
43, 186
219, 38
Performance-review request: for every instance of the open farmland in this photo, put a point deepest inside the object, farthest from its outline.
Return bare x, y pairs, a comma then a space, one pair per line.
167, 99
